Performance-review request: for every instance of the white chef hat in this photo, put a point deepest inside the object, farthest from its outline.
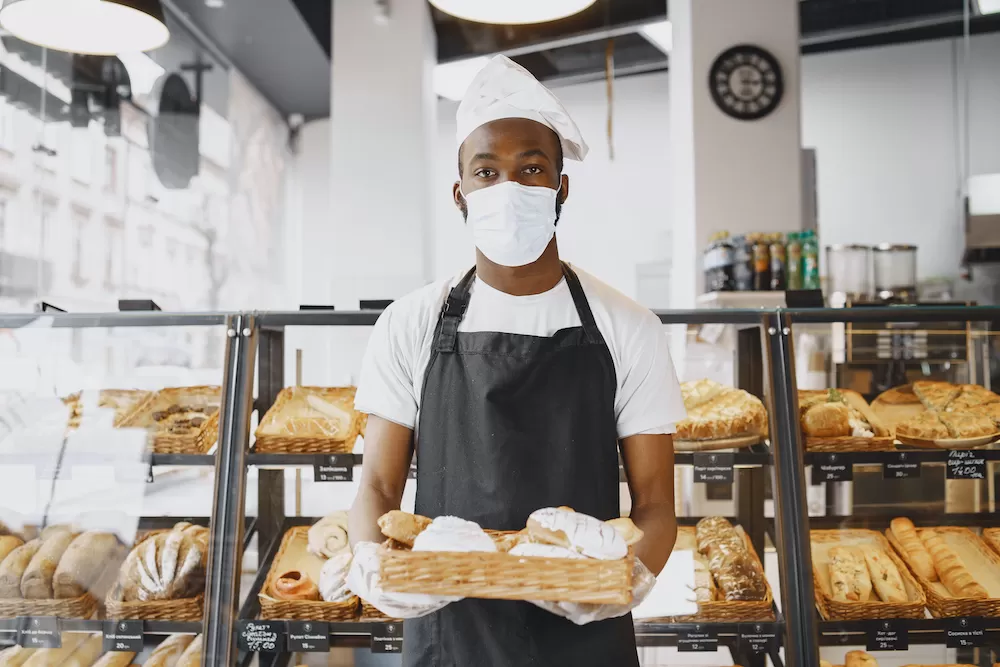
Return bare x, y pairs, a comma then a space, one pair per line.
504, 89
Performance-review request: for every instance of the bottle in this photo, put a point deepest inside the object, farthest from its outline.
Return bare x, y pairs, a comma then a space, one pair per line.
761, 263
794, 252
718, 263
743, 263
778, 263
810, 260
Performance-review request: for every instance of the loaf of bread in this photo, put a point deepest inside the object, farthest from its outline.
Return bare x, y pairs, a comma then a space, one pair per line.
48, 657
950, 568
884, 574
86, 653
198, 533
7, 544
165, 566
115, 659
15, 656
36, 584
849, 575
13, 566
704, 584
169, 652
80, 568
859, 659
192, 654
916, 553
737, 573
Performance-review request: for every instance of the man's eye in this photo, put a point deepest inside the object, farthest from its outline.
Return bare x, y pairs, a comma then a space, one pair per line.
532, 171
485, 173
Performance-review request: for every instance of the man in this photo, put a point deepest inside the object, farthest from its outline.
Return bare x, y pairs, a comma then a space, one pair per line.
516, 384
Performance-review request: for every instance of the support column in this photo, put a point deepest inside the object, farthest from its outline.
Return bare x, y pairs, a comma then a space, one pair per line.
727, 174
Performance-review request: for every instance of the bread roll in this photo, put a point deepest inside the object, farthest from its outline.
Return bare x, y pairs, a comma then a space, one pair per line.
7, 544
573, 530
192, 654
849, 575
950, 568
50, 657
884, 574
115, 659
36, 584
737, 573
824, 663
628, 530
859, 659
916, 553
402, 526
15, 656
169, 652
13, 566
295, 585
80, 568
86, 653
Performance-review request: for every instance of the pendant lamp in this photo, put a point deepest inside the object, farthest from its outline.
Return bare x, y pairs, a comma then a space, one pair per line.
96, 27
512, 12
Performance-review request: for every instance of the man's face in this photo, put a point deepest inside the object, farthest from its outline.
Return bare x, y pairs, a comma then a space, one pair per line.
510, 149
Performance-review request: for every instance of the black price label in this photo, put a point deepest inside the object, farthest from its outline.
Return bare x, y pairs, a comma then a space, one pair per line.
890, 635
256, 636
714, 467
900, 465
308, 637
832, 468
123, 636
758, 638
38, 632
697, 639
387, 637
335, 468
966, 632
966, 464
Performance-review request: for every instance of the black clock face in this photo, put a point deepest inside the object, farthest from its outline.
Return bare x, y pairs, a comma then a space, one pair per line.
746, 82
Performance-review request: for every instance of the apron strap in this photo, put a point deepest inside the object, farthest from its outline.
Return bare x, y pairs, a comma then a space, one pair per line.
582, 305
452, 313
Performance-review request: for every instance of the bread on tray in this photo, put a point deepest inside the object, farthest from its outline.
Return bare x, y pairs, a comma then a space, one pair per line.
916, 553
934, 410
322, 418
950, 568
737, 573
717, 412
167, 565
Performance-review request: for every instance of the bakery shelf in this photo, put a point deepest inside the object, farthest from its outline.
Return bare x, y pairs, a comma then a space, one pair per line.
921, 631
912, 453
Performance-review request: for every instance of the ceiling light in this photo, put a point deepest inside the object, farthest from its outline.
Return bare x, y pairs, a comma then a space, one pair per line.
97, 27
512, 12
989, 6
661, 34
451, 80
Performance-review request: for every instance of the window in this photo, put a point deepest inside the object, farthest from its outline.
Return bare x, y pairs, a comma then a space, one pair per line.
110, 170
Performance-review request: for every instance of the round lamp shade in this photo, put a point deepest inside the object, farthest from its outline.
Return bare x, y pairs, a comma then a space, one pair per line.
512, 12
97, 27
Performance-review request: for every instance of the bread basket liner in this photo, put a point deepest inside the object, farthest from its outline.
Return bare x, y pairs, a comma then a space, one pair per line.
292, 444
272, 609
180, 610
837, 610
199, 441
729, 611
946, 606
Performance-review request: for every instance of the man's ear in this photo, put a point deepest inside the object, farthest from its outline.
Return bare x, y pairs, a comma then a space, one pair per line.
564, 188
456, 193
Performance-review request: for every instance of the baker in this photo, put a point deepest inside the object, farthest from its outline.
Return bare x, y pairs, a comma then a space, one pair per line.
518, 384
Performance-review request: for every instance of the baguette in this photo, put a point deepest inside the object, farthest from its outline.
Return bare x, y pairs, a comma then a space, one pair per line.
916, 553
48, 657
849, 575
13, 567
950, 568
36, 584
859, 659
15, 656
7, 544
169, 652
86, 653
884, 574
192, 654
80, 568
115, 659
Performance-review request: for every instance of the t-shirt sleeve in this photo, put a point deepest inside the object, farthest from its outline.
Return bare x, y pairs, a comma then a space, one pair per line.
649, 399
386, 386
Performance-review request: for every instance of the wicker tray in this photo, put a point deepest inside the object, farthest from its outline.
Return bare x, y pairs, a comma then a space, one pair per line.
79, 607
735, 442
836, 610
982, 562
199, 440
292, 555
267, 441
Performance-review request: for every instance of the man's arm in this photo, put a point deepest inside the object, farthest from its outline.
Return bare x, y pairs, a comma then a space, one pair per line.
649, 467
388, 452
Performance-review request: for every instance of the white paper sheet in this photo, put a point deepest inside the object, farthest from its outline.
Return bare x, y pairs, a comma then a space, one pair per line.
673, 594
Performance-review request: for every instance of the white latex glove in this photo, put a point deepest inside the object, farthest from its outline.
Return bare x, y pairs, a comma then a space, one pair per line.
364, 580
582, 613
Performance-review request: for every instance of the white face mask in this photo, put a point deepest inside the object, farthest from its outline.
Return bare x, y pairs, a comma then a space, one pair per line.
512, 223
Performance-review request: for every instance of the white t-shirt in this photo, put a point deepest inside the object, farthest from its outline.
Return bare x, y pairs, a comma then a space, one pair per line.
647, 396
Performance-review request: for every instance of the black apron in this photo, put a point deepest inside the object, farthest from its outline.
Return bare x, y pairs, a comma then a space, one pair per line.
509, 424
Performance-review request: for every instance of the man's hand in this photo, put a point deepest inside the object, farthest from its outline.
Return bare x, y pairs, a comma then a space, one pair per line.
365, 582
582, 613
649, 468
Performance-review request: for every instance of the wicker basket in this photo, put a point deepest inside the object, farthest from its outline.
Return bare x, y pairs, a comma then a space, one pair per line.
849, 444
370, 614
939, 602
728, 611
179, 611
992, 537
281, 443
300, 610
199, 440
79, 607
837, 610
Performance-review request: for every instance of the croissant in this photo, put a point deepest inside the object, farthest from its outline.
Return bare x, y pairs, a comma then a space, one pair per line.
295, 585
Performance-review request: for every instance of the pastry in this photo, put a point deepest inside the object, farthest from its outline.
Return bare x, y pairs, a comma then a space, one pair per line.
859, 659
824, 663
971, 396
328, 536
7, 544
737, 573
48, 657
198, 533
935, 395
449, 533
81, 566
536, 550
508, 541
849, 576
884, 574
169, 651
699, 392
826, 420
312, 412
165, 566
192, 654
838, 413
15, 656
36, 584
115, 659
86, 653
402, 526
295, 585
950, 568
716, 411
991, 410
925, 426
333, 578
966, 425
178, 411
628, 530
13, 566
916, 553
580, 532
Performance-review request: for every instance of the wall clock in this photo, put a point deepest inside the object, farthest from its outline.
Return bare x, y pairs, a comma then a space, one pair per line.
746, 82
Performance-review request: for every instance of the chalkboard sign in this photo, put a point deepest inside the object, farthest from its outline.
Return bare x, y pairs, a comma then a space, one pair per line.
256, 636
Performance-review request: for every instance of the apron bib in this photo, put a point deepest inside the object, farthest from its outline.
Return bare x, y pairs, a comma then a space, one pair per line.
509, 424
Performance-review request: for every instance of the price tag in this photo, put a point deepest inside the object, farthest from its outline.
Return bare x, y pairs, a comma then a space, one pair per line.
123, 636
892, 635
900, 465
832, 468
308, 637
966, 632
38, 632
336, 468
966, 464
697, 639
387, 637
758, 638
257, 636
714, 467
